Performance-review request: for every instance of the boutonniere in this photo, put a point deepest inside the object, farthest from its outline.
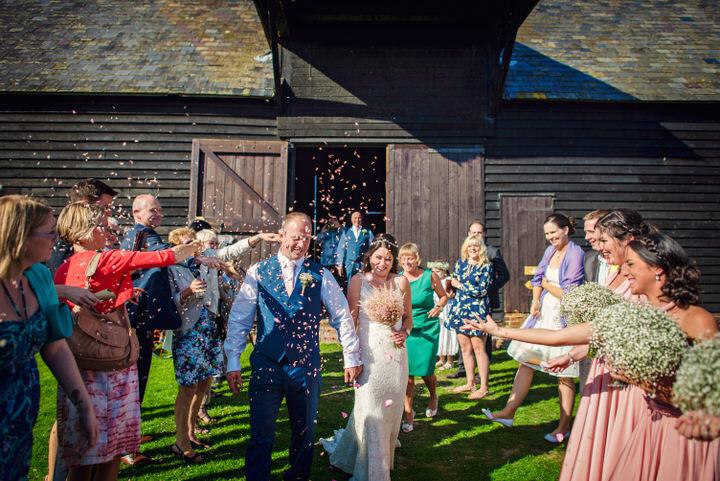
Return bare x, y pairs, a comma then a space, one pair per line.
364, 231
305, 279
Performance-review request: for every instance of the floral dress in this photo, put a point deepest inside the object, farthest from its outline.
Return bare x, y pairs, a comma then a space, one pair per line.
197, 352
472, 296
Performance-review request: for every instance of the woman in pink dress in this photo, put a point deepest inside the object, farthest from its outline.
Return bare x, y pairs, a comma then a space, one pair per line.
658, 267
607, 415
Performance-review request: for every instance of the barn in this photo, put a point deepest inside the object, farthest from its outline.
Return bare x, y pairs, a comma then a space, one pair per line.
425, 116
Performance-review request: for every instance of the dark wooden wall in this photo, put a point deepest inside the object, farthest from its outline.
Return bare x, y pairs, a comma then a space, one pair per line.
135, 144
660, 159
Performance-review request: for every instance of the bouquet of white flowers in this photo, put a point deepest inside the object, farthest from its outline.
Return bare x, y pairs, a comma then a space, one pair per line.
385, 306
584, 302
697, 380
639, 340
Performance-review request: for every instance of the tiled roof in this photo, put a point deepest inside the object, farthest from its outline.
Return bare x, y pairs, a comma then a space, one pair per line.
618, 49
134, 46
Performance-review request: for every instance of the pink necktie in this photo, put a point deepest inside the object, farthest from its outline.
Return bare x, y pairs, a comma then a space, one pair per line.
288, 271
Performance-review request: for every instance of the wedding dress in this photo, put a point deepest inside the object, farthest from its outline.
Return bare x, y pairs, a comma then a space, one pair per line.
366, 447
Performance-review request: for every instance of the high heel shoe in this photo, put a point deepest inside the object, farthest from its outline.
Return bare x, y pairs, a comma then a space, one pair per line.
429, 413
407, 428
196, 459
505, 422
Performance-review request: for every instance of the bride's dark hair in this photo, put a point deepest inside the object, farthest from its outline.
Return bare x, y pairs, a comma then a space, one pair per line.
388, 242
682, 284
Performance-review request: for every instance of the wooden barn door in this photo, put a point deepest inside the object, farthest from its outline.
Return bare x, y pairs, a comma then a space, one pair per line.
523, 244
432, 195
240, 187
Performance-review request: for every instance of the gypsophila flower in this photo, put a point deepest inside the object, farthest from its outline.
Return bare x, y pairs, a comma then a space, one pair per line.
385, 306
639, 340
697, 380
584, 302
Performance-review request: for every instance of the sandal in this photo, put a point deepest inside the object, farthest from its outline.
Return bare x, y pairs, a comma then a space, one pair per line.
205, 417
201, 430
407, 428
196, 459
478, 394
465, 388
199, 445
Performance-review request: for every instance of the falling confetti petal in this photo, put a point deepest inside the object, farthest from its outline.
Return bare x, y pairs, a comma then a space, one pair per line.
344, 414
388, 402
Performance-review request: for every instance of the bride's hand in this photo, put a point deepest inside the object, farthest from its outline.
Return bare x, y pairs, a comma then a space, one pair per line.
398, 337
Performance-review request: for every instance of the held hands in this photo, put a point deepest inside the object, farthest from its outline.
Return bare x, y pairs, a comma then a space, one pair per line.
698, 425
351, 373
234, 379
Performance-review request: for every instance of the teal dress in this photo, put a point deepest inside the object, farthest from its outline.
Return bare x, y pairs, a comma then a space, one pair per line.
422, 345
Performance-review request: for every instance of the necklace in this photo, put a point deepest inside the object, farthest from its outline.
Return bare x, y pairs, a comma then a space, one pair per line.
22, 297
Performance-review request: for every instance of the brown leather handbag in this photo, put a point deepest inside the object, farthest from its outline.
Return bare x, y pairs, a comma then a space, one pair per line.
102, 342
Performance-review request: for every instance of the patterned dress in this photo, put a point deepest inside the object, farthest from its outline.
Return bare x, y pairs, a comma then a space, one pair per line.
20, 387
197, 352
472, 296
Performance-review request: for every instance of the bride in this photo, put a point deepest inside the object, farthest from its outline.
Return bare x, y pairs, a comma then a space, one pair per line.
366, 447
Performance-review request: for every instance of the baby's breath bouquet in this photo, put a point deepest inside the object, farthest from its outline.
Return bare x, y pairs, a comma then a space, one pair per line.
697, 380
584, 302
639, 340
385, 306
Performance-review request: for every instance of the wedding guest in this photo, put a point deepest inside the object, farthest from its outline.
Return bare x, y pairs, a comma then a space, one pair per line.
352, 245
448, 346
197, 346
112, 233
366, 448
472, 277
286, 358
501, 275
425, 335
660, 271
607, 414
560, 269
114, 394
32, 320
328, 240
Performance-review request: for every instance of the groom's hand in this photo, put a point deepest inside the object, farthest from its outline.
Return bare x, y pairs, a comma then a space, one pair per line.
234, 379
351, 373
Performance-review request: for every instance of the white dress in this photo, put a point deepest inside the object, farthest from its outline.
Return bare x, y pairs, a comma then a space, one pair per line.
448, 345
366, 447
532, 354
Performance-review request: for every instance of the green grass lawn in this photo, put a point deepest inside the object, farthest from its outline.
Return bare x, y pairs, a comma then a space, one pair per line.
458, 444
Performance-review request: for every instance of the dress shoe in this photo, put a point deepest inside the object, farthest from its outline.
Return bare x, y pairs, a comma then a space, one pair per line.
505, 422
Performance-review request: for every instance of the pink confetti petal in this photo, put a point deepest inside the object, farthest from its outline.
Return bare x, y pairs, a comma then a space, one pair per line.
388, 402
344, 414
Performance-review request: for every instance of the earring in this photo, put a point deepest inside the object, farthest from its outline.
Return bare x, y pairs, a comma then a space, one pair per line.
657, 277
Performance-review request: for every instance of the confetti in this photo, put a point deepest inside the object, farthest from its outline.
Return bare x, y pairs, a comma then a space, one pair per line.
344, 414
388, 402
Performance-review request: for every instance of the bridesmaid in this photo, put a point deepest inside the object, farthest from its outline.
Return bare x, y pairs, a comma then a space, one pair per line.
423, 342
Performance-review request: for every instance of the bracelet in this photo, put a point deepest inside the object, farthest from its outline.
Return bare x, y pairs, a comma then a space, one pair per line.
572, 361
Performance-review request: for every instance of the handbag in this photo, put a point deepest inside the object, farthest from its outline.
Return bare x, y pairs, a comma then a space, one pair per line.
102, 342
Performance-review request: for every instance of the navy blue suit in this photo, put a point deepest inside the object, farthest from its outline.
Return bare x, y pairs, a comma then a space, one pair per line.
155, 309
350, 251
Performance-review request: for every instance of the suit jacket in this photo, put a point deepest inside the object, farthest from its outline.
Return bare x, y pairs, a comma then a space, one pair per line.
156, 309
501, 275
591, 264
350, 251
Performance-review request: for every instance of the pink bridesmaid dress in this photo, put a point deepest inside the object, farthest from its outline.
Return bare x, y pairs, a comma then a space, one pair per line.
605, 419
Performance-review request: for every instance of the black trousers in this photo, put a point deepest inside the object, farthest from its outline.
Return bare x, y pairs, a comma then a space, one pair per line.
145, 338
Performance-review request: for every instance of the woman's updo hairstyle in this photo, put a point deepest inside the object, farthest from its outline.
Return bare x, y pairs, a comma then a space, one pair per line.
624, 223
682, 277
562, 221
388, 242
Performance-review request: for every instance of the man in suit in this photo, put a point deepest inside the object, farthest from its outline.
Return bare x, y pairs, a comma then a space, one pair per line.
596, 268
286, 292
501, 275
353, 244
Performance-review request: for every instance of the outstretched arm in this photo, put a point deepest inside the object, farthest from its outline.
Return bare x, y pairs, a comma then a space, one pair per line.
569, 336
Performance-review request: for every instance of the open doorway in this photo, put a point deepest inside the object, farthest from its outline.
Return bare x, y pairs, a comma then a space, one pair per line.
336, 181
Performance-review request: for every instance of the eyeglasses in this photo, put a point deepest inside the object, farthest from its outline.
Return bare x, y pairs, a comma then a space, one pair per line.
51, 235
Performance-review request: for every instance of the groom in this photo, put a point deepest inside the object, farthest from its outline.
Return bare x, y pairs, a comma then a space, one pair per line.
286, 292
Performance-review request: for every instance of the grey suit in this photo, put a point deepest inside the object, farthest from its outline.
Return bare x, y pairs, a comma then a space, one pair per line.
591, 264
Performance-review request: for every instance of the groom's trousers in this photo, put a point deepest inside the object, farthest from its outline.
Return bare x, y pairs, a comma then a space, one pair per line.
270, 382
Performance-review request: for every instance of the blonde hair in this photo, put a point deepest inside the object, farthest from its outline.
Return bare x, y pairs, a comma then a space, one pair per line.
175, 236
474, 240
410, 249
19, 216
206, 235
77, 221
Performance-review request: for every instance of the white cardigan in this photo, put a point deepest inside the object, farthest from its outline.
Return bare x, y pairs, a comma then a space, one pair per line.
181, 277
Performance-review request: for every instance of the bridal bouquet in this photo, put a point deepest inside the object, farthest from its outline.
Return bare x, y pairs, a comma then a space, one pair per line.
697, 380
640, 341
584, 302
385, 306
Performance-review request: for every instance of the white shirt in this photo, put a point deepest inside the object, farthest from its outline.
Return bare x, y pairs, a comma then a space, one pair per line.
603, 270
242, 315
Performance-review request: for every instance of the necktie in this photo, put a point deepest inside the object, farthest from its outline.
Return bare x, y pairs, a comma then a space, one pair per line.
288, 272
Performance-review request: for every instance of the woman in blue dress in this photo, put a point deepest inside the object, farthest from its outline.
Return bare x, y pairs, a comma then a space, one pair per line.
473, 275
32, 320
